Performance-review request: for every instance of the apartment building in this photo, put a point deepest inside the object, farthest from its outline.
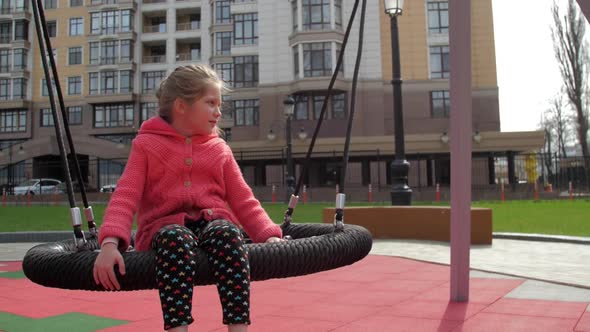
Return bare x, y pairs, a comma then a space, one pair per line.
112, 55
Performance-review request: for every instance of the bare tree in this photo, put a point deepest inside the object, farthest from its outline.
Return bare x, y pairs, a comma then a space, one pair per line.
571, 51
557, 124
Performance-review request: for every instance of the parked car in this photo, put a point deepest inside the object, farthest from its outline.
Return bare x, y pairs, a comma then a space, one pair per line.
109, 188
37, 187
61, 188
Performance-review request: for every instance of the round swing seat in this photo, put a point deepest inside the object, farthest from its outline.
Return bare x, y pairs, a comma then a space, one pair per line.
314, 248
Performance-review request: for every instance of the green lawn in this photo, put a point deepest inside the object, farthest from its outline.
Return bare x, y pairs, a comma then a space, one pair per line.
546, 217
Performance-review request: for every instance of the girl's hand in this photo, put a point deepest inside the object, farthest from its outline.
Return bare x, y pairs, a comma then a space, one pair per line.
273, 239
104, 272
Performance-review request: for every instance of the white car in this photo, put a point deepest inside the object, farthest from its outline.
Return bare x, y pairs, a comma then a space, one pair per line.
109, 188
37, 187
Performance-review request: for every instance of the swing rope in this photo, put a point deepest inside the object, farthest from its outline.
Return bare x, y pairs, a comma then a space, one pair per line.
340, 197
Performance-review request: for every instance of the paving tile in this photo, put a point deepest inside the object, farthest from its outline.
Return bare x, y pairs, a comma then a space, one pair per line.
491, 322
584, 323
405, 285
397, 324
538, 308
537, 290
369, 297
481, 290
332, 312
435, 310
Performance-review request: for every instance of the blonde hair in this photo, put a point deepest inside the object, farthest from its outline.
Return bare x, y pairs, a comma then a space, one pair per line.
188, 83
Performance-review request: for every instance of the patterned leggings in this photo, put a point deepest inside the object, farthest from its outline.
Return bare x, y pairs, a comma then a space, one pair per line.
175, 268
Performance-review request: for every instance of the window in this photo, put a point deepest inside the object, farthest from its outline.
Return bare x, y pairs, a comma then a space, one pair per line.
227, 108
438, 16
46, 117
95, 23
44, 90
4, 89
222, 14
76, 26
316, 14
20, 58
318, 102
296, 60
75, 85
439, 61
19, 88
148, 110
48, 4
223, 43
113, 115
75, 55
126, 21
225, 72
246, 112
308, 105
13, 121
75, 115
245, 71
52, 28
301, 107
126, 81
440, 103
93, 86
94, 53
126, 51
54, 53
151, 81
339, 106
5, 32
109, 52
109, 82
76, 3
338, 14
317, 59
109, 22
294, 15
21, 5
4, 60
21, 30
245, 29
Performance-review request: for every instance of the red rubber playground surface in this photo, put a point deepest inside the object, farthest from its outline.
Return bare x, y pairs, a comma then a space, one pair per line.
379, 293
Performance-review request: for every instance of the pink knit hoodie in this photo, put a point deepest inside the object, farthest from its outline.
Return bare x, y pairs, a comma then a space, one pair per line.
169, 177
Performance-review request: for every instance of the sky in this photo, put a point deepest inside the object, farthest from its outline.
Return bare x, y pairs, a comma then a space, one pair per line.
528, 74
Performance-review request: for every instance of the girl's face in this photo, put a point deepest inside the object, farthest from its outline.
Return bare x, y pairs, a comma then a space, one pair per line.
201, 117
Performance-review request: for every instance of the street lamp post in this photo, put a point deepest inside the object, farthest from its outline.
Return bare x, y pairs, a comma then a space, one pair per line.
289, 105
401, 194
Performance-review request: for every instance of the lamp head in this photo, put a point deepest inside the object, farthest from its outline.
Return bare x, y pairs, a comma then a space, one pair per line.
271, 135
289, 106
394, 7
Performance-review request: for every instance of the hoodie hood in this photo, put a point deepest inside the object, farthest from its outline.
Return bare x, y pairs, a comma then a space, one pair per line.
158, 126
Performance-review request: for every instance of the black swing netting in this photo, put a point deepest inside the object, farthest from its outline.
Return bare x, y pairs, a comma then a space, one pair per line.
313, 248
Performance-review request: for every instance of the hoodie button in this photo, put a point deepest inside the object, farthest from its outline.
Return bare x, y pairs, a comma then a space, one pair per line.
209, 212
188, 141
188, 161
187, 183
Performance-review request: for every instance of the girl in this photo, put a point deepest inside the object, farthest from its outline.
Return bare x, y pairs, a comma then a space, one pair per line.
188, 190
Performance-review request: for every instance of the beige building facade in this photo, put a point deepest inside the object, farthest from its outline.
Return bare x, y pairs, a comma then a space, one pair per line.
112, 54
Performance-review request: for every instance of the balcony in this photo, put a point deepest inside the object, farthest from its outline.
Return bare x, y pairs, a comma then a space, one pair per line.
195, 25
188, 57
159, 28
154, 59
